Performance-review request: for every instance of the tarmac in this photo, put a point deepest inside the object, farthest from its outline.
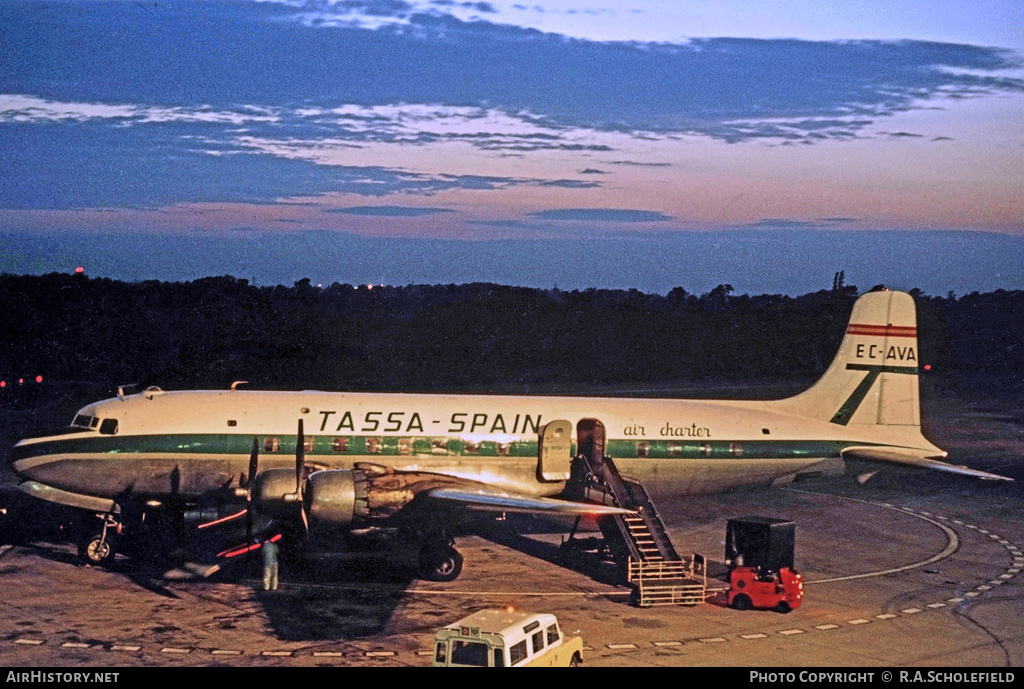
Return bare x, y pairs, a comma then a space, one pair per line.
906, 570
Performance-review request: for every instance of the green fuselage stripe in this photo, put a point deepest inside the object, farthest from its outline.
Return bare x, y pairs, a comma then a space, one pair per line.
325, 447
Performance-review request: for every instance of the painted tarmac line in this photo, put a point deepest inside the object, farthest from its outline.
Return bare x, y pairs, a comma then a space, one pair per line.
952, 543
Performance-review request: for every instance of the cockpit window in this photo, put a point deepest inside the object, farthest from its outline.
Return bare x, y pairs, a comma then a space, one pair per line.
108, 427
85, 421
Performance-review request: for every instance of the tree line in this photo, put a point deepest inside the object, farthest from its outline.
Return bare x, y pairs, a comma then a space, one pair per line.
210, 332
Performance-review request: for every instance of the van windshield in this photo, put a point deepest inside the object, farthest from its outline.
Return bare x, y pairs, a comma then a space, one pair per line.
472, 653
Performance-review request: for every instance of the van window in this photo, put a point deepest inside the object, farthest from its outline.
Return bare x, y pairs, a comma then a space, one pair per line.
517, 653
472, 653
442, 652
499, 657
538, 641
108, 427
552, 634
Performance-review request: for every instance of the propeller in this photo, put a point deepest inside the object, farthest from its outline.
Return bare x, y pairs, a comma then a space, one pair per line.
244, 490
300, 475
254, 462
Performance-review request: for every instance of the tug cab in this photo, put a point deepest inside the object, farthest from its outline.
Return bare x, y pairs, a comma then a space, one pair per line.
501, 638
759, 553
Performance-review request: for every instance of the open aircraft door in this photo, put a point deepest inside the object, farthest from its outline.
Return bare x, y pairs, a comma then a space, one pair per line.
590, 438
555, 451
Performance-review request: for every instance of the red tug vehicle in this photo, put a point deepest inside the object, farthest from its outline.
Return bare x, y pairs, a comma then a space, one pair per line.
759, 553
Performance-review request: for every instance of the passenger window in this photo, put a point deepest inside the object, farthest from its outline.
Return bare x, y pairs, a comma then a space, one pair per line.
373, 446
405, 446
340, 445
108, 427
538, 641
439, 446
271, 444
643, 449
736, 449
675, 449
705, 449
471, 448
307, 444
517, 653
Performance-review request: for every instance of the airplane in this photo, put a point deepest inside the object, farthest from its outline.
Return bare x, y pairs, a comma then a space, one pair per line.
333, 462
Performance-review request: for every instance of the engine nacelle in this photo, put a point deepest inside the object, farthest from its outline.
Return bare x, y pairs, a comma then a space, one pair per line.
335, 497
339, 498
273, 493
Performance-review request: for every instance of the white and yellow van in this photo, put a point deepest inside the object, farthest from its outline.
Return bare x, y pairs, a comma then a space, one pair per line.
501, 638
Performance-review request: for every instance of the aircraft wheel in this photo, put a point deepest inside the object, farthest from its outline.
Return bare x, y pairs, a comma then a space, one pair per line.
94, 550
742, 602
783, 607
440, 564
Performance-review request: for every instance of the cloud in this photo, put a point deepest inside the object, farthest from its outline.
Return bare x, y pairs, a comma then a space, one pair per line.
233, 101
391, 211
602, 215
281, 54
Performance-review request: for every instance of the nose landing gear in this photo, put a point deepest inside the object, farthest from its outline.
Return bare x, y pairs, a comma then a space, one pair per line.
97, 547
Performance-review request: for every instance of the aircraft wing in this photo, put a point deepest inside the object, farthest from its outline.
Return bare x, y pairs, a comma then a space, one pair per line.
913, 458
495, 501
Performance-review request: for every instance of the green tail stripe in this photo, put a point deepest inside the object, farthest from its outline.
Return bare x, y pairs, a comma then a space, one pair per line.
853, 402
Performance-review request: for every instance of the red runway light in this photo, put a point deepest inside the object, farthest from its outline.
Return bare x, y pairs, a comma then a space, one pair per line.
39, 379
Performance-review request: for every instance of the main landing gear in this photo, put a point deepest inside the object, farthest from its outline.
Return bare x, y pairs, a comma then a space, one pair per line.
96, 546
439, 560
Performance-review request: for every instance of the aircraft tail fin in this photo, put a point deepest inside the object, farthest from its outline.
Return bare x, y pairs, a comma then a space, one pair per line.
873, 381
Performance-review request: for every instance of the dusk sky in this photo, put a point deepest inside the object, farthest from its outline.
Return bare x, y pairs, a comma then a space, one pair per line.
578, 143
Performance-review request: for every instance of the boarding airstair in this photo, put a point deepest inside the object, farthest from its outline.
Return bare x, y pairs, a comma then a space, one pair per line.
638, 543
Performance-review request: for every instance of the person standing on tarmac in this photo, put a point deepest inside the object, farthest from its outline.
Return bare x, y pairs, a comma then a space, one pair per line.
271, 566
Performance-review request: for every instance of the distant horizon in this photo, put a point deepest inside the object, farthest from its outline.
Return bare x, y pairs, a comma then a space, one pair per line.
752, 261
